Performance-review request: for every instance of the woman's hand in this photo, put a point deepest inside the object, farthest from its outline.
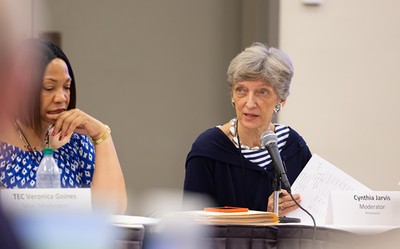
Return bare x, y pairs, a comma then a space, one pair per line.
108, 184
75, 120
286, 204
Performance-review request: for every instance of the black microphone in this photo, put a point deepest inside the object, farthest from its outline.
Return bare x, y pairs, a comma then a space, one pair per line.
270, 141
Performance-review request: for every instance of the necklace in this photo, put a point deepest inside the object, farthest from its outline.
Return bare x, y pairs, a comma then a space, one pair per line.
27, 145
233, 130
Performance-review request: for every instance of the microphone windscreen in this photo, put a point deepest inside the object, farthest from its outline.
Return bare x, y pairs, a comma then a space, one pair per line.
268, 137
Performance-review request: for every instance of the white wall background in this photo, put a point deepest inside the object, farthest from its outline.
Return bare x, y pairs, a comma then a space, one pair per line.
345, 93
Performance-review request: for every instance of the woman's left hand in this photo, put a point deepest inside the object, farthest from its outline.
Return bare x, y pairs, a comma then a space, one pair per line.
75, 120
286, 204
108, 184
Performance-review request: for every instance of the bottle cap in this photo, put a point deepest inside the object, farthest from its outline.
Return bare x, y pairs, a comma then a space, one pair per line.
48, 151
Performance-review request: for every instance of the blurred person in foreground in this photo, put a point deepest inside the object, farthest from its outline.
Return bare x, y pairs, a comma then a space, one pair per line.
227, 163
8, 237
5, 42
45, 116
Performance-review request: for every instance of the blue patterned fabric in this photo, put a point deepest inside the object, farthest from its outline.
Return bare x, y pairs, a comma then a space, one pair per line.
76, 159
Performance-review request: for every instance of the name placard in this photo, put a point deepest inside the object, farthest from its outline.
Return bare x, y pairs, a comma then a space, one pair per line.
379, 208
75, 199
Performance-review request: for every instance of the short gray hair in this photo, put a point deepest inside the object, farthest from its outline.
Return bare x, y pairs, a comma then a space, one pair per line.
259, 62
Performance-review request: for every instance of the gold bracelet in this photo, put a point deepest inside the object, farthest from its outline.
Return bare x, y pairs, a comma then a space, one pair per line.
104, 137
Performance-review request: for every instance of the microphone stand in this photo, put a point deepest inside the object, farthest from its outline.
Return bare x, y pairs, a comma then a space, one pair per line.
276, 187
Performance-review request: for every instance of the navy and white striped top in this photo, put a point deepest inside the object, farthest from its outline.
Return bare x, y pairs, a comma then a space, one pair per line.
261, 157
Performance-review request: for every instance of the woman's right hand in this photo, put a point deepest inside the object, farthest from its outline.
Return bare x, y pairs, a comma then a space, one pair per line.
75, 120
286, 204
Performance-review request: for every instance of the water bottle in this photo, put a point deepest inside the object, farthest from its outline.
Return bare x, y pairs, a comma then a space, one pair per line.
48, 174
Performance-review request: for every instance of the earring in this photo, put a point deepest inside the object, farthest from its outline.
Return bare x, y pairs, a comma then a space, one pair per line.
277, 108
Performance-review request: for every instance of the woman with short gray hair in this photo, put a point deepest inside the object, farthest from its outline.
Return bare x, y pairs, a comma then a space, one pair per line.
228, 163
259, 62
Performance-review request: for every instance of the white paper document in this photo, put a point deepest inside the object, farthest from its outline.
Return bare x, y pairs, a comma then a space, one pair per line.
314, 184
